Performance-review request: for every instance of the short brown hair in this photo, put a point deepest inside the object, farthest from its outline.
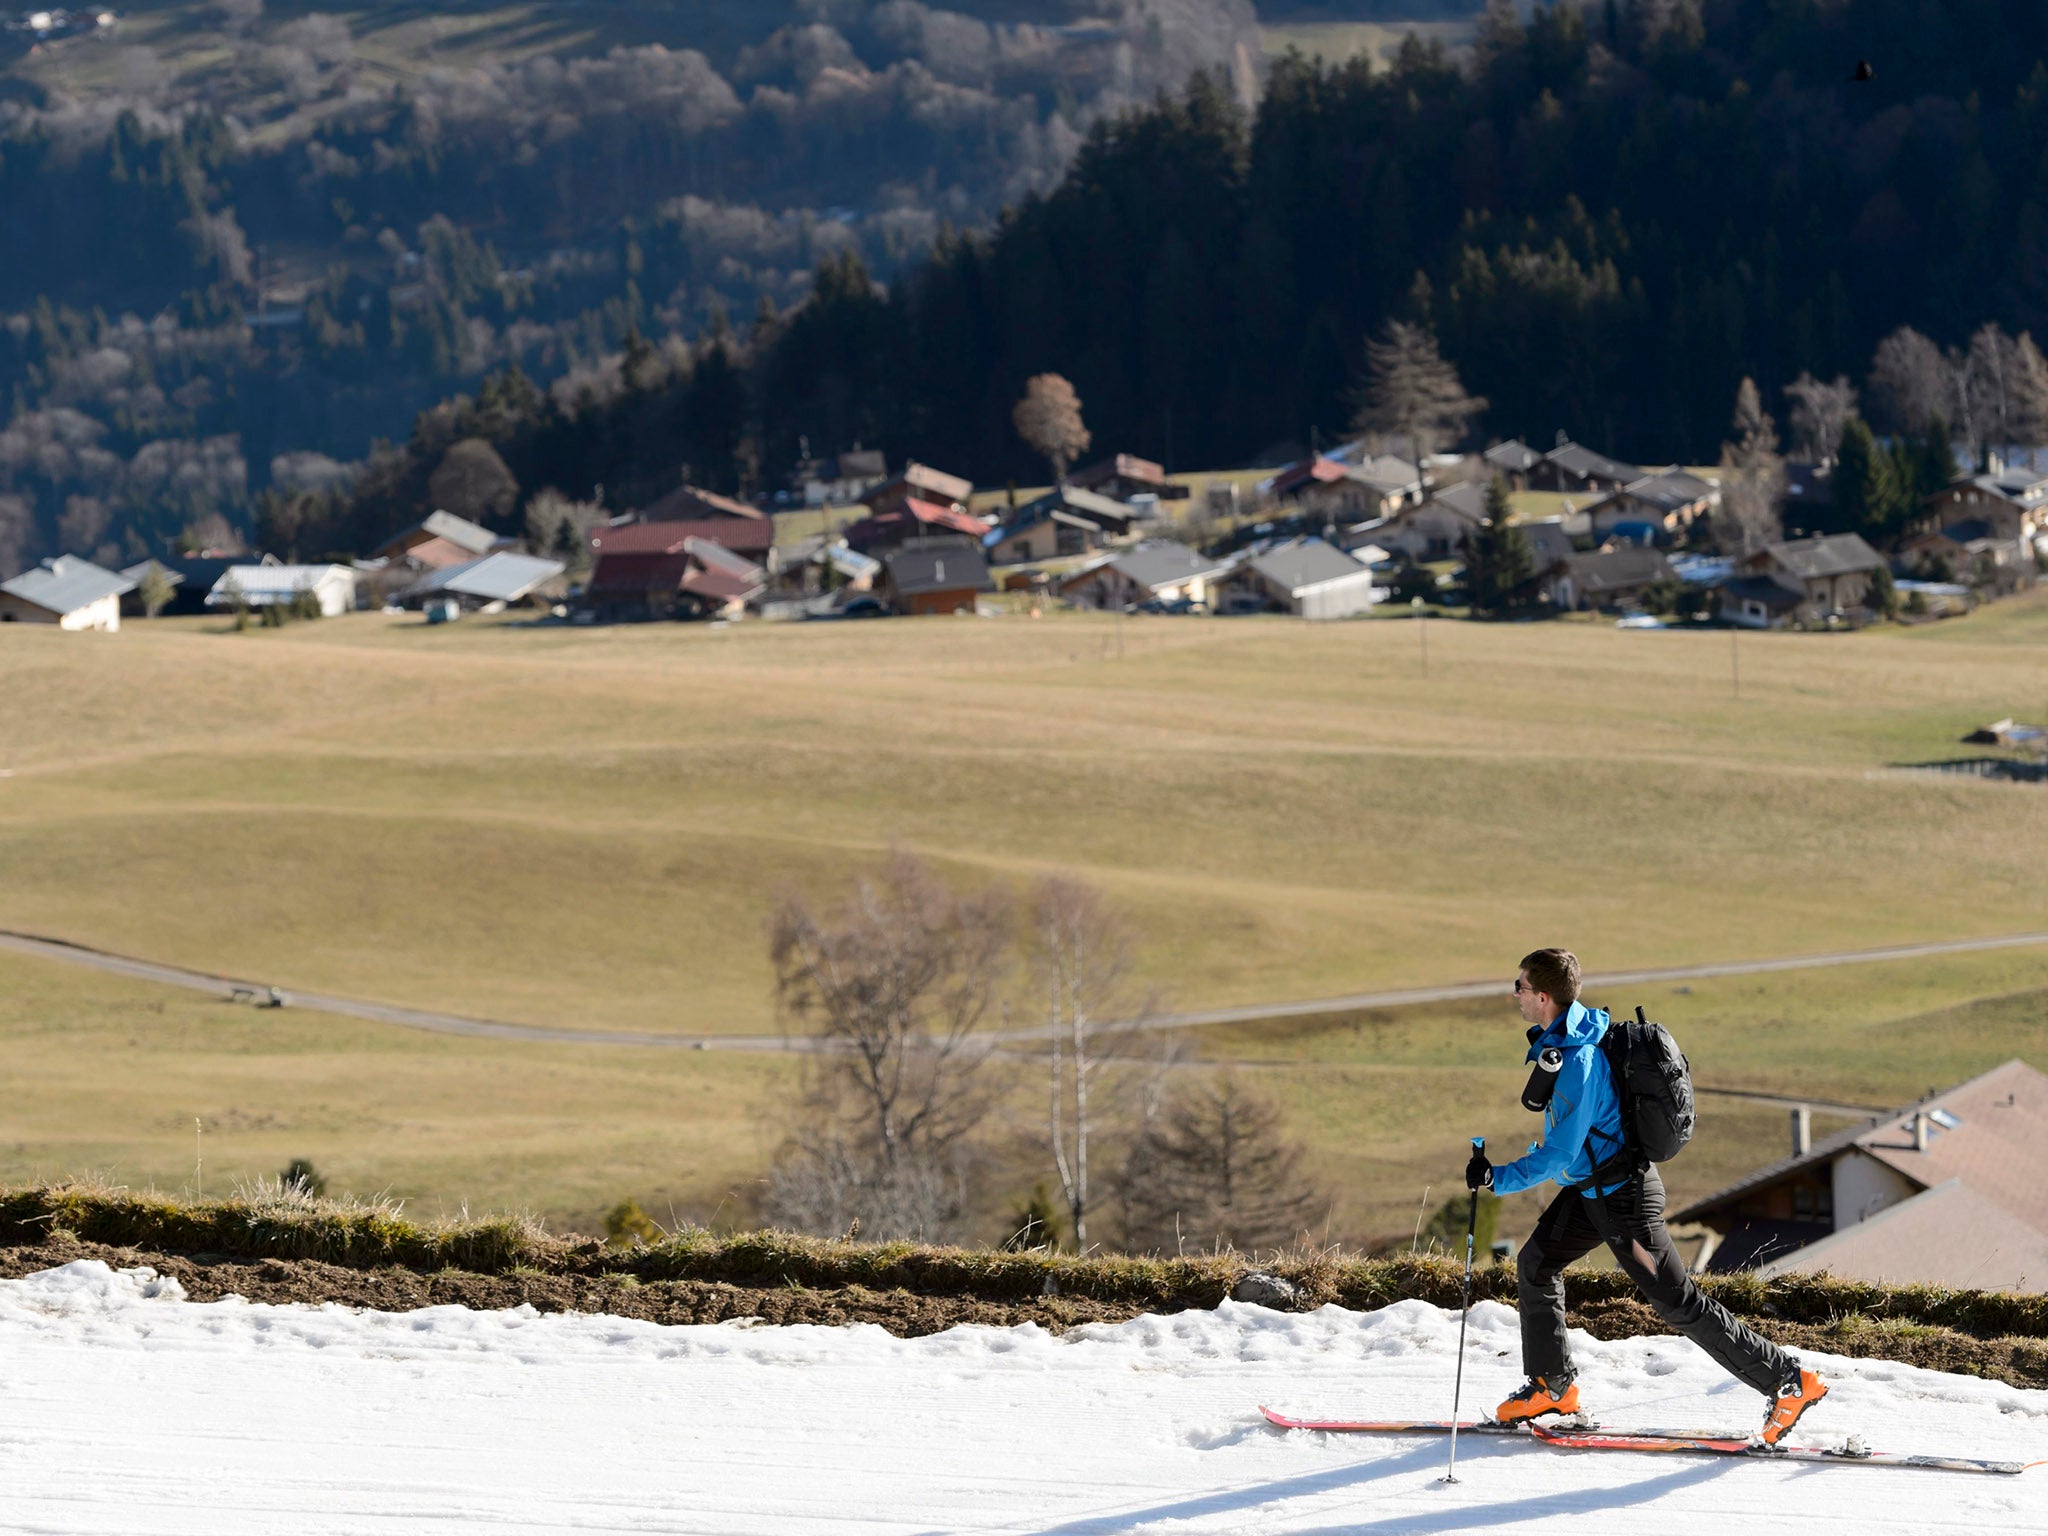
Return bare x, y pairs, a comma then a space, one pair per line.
1555, 971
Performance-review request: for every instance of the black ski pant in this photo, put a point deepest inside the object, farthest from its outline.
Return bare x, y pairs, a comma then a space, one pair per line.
1630, 1221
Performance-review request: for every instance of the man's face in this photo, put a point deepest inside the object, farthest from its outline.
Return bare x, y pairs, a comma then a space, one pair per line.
1536, 1007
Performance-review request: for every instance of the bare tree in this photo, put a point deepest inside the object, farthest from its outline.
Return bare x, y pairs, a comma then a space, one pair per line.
1081, 965
894, 985
472, 481
1818, 409
1412, 392
555, 525
1912, 383
1752, 477
1048, 418
154, 590
1213, 1166
2005, 386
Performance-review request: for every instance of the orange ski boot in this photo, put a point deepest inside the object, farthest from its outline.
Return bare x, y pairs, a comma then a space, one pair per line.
1797, 1395
1536, 1397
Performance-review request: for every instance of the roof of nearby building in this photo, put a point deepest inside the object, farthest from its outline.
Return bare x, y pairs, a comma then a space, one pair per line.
65, 583
142, 568
1949, 1235
1385, 472
1669, 490
1997, 1143
1122, 466
1467, 499
692, 503
459, 531
1834, 554
934, 483
1303, 563
500, 576
1772, 593
1163, 563
1514, 456
936, 565
1610, 570
747, 536
1577, 459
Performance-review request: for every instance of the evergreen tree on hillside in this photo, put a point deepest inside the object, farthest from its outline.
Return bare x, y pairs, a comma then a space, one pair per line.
1867, 495
1412, 396
1498, 563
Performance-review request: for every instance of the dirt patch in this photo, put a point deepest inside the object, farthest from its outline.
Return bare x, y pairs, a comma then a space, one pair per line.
907, 1314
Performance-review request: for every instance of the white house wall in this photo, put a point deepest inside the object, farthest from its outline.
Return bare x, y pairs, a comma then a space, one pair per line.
1863, 1186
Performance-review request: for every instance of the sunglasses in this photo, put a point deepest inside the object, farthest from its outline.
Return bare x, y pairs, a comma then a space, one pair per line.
1522, 986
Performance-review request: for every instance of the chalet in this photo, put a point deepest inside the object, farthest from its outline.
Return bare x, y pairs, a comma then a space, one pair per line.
65, 591
491, 582
1576, 468
687, 577
1977, 552
1605, 579
1157, 570
1759, 602
1125, 475
908, 520
815, 564
1435, 529
438, 539
919, 483
1951, 1191
1549, 546
1066, 520
751, 538
1830, 576
192, 578
845, 479
1309, 578
940, 575
1326, 486
1670, 500
2012, 502
1513, 461
692, 503
333, 587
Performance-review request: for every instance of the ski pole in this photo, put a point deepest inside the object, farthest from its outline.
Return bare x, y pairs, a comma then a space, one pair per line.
1464, 1309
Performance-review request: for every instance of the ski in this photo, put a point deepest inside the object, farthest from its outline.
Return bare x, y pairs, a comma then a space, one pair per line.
1852, 1453
1591, 1437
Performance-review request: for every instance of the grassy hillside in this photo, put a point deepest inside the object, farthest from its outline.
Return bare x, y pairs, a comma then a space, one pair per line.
577, 827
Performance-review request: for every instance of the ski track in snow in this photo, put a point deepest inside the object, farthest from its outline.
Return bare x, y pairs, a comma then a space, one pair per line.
124, 1408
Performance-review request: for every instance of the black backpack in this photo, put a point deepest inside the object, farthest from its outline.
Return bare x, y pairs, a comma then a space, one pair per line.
1654, 1081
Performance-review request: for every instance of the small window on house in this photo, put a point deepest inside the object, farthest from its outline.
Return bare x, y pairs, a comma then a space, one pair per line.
1802, 1201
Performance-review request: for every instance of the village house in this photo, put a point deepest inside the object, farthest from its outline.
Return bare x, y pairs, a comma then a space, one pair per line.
694, 504
813, 565
1309, 578
1066, 520
1977, 552
1156, 571
1827, 577
332, 587
1608, 580
1328, 489
494, 581
192, 578
1575, 468
908, 520
922, 484
845, 479
1125, 475
1951, 1191
750, 538
1433, 530
665, 571
2012, 503
1513, 461
65, 591
1669, 500
439, 539
941, 575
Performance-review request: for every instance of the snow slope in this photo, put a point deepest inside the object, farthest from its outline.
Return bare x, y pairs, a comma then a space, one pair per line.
125, 1408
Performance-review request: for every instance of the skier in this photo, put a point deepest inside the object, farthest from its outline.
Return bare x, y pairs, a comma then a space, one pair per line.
1608, 1193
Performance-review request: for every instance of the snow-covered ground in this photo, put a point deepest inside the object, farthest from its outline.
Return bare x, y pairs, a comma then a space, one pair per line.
125, 1408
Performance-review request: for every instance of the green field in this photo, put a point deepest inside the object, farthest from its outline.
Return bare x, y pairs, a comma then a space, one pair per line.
588, 828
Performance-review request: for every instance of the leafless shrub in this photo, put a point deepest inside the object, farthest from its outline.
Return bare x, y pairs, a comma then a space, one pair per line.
1213, 1167
893, 985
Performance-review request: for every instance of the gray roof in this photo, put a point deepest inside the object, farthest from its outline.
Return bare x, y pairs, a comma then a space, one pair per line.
1767, 590
65, 584
1577, 459
459, 531
1467, 500
1306, 563
1612, 569
1162, 563
1837, 554
1384, 472
142, 568
502, 577
936, 565
1514, 456
1669, 490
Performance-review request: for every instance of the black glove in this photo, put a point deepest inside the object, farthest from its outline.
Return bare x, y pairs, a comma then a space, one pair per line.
1479, 1172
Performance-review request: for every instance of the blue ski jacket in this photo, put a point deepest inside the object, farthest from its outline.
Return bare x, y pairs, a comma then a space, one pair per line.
1582, 1125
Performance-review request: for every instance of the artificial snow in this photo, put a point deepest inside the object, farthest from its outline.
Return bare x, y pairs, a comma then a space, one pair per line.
124, 1407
